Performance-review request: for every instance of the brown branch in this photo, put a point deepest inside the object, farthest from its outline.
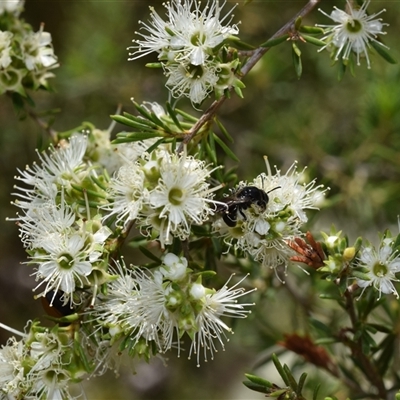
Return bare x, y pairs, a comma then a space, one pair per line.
368, 366
257, 55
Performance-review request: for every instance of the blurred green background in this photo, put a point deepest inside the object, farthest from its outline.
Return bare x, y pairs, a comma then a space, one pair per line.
347, 133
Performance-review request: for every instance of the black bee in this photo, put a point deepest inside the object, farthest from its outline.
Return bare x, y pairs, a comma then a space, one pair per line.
57, 308
242, 200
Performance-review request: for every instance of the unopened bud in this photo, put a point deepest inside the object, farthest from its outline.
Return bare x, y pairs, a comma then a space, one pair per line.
349, 253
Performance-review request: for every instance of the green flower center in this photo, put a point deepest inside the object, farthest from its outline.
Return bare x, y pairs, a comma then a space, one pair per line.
176, 196
65, 261
198, 39
9, 78
194, 71
380, 269
354, 26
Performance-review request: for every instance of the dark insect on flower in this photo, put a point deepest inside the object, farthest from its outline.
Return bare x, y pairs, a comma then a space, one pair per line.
241, 200
54, 306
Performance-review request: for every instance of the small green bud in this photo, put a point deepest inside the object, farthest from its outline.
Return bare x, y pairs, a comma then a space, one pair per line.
349, 253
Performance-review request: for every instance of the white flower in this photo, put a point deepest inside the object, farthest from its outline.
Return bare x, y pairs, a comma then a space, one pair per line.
193, 81
51, 383
135, 306
5, 49
209, 326
11, 6
197, 32
127, 192
264, 232
381, 266
11, 367
46, 349
175, 267
60, 167
190, 34
182, 195
42, 221
37, 50
62, 264
288, 192
145, 306
353, 32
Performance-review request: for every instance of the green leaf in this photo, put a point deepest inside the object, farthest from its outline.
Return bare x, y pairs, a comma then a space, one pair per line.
341, 69
256, 387
396, 242
238, 91
99, 183
142, 110
296, 49
149, 254
315, 392
358, 243
388, 350
206, 274
134, 124
238, 44
378, 327
348, 372
280, 369
172, 114
302, 380
211, 150
81, 356
137, 241
326, 340
320, 326
292, 382
225, 148
296, 56
258, 380
225, 132
297, 23
154, 65
18, 102
155, 145
360, 275
185, 115
313, 40
311, 29
134, 137
275, 41
383, 52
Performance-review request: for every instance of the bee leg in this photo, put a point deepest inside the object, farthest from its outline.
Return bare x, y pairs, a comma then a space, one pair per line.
229, 219
242, 214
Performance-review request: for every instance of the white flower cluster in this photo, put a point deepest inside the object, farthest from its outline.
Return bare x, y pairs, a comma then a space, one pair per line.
26, 57
40, 366
265, 233
189, 48
159, 306
354, 31
66, 202
65, 239
163, 192
72, 213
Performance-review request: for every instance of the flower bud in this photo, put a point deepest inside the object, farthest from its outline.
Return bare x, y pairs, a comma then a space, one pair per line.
349, 253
